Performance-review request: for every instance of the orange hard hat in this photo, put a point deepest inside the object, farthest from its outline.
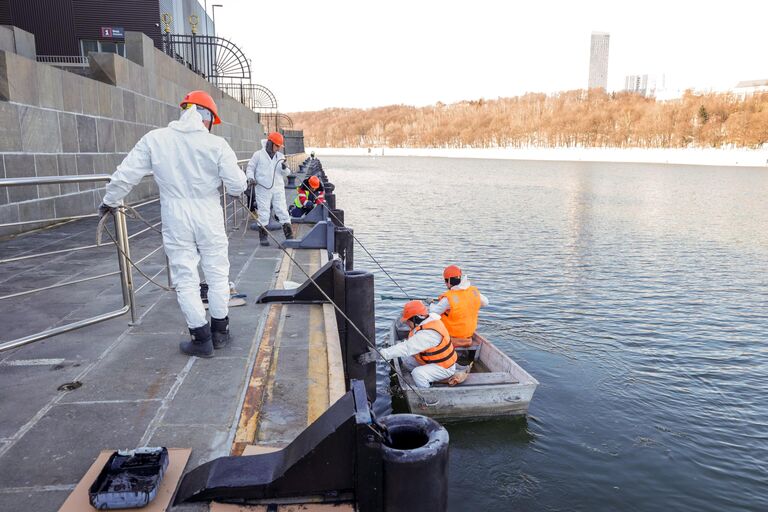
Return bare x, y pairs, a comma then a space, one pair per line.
276, 138
414, 308
202, 99
314, 182
451, 271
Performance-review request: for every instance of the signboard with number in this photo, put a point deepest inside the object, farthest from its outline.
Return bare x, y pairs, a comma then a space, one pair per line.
113, 32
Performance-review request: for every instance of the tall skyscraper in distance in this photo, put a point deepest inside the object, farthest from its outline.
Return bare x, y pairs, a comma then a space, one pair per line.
598, 60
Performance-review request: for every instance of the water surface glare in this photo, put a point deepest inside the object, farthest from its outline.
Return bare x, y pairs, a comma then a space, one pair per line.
637, 294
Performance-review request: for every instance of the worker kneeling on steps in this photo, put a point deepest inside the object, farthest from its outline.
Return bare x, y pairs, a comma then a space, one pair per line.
189, 165
427, 353
308, 194
265, 172
459, 306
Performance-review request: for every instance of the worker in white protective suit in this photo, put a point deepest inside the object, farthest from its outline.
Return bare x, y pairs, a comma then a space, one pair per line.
459, 306
189, 165
265, 173
427, 353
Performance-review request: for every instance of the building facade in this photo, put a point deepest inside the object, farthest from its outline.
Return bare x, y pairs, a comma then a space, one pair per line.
598, 60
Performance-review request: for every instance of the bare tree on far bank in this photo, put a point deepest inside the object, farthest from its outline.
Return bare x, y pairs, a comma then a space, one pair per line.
569, 119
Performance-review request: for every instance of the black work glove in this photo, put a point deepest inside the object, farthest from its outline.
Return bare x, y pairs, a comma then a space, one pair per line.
367, 357
105, 209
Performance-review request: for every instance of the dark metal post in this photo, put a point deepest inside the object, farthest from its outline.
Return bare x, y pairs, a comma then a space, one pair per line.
361, 310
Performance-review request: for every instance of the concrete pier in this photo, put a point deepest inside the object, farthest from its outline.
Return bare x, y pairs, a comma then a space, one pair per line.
132, 386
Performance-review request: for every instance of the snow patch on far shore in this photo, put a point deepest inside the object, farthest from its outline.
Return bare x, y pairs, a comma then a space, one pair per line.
684, 156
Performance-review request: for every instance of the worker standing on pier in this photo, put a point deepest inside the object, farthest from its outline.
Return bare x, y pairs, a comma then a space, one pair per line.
459, 306
265, 171
189, 165
427, 353
310, 193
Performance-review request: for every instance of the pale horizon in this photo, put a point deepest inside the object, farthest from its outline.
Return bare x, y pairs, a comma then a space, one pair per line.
345, 54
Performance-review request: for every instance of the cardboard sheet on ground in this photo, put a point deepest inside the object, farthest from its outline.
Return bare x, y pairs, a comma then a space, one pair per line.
309, 507
177, 460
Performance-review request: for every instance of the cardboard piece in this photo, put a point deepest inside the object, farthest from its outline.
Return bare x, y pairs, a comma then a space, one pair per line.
177, 460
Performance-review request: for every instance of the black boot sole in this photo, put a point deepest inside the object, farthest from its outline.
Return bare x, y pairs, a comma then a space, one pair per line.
191, 350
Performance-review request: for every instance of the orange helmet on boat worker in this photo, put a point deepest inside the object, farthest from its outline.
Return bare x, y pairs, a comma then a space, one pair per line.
314, 182
201, 99
276, 138
414, 308
451, 271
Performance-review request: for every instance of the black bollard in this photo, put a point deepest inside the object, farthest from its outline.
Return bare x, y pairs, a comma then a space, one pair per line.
337, 217
291, 180
331, 200
360, 309
415, 463
344, 246
329, 187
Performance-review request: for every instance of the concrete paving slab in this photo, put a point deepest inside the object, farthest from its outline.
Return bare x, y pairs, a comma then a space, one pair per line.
65, 441
140, 367
82, 345
36, 384
207, 441
210, 393
37, 501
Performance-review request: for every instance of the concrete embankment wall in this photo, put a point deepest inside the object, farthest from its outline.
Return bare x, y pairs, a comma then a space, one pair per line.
54, 122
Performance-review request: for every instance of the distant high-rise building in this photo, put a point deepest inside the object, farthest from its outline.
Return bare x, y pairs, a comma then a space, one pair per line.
598, 60
647, 85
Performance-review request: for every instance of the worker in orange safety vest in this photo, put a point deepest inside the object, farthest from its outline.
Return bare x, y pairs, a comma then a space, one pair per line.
427, 352
459, 306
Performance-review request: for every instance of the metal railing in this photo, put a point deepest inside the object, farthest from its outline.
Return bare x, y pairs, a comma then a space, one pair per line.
123, 250
123, 255
64, 60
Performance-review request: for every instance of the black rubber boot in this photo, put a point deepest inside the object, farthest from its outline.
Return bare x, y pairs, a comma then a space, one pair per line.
287, 231
201, 344
220, 332
263, 237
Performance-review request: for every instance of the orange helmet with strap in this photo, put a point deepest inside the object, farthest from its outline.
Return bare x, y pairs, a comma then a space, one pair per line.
276, 138
414, 308
203, 99
314, 182
451, 271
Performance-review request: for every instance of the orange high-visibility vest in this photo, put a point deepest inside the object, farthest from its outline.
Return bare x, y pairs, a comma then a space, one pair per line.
461, 317
442, 354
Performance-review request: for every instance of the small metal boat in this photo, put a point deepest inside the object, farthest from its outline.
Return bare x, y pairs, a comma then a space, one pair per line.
495, 385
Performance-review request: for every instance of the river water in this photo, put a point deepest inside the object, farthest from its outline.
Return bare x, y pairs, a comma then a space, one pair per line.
637, 294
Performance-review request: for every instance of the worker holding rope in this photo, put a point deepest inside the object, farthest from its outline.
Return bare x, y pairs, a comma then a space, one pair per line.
189, 165
427, 353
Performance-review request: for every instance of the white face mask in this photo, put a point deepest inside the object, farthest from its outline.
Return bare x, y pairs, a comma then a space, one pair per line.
206, 114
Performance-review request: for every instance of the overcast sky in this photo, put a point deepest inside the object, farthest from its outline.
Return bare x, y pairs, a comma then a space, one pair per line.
315, 54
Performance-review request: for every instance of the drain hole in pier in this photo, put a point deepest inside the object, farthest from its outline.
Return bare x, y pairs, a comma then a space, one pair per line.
69, 386
407, 438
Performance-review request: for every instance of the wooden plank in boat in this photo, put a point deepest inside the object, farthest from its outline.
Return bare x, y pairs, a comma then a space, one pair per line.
489, 378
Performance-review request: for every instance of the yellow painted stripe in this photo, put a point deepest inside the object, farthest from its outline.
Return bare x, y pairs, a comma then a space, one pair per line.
317, 371
336, 384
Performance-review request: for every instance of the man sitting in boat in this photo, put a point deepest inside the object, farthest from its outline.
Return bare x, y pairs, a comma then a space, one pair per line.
427, 353
459, 306
308, 194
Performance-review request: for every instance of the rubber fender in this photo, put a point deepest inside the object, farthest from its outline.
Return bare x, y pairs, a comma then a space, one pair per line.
415, 463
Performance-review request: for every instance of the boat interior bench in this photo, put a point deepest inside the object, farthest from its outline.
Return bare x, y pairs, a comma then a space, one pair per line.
483, 379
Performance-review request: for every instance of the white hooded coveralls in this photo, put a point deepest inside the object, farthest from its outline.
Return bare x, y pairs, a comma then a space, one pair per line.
189, 165
423, 374
270, 187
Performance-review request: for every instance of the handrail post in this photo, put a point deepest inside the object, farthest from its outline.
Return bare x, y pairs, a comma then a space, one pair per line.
124, 253
226, 210
168, 270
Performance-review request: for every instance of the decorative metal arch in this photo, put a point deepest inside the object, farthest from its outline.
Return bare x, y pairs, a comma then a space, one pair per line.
212, 57
254, 96
273, 121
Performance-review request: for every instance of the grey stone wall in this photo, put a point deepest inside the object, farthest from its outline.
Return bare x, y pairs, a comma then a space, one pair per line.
53, 122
